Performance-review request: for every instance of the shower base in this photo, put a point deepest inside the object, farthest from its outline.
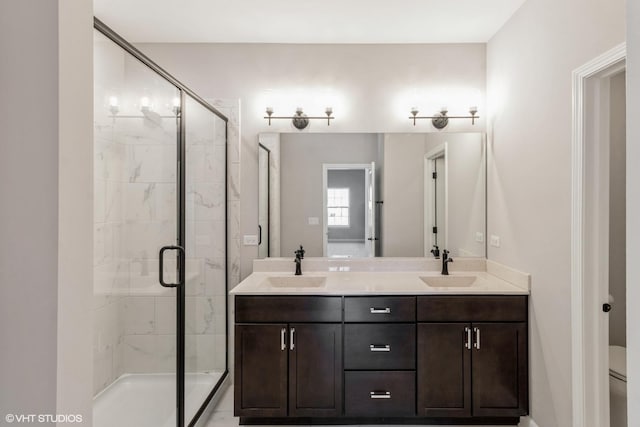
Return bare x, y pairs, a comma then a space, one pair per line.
148, 400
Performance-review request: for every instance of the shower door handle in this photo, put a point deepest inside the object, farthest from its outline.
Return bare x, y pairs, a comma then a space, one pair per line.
161, 264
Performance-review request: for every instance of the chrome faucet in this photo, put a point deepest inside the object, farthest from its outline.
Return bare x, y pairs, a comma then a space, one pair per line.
299, 257
445, 261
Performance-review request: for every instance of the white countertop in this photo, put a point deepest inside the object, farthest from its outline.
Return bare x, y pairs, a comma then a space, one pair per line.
376, 283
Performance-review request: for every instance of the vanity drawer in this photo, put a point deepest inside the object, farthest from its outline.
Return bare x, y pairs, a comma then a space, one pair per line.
380, 346
380, 309
380, 394
477, 308
288, 309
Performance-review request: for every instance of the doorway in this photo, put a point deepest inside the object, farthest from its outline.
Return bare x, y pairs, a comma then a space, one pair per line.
348, 210
435, 200
598, 242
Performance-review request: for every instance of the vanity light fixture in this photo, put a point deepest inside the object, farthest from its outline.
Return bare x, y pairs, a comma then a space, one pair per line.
145, 109
300, 120
441, 120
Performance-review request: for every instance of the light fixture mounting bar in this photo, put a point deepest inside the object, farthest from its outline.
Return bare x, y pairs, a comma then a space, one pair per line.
300, 120
441, 120
295, 117
473, 118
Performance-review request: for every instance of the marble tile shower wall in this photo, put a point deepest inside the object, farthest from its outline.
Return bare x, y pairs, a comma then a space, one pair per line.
135, 213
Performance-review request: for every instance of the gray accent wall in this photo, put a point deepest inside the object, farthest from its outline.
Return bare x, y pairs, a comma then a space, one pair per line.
354, 180
301, 158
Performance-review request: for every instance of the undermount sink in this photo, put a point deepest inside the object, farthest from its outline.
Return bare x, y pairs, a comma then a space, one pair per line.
449, 281
296, 281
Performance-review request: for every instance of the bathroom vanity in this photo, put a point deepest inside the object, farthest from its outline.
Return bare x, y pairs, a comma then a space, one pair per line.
380, 347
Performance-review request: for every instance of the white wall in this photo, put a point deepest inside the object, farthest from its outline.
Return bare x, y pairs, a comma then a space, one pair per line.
373, 88
633, 208
45, 225
403, 187
529, 65
75, 207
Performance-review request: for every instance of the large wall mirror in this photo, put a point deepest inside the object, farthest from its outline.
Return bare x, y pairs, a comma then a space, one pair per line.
346, 195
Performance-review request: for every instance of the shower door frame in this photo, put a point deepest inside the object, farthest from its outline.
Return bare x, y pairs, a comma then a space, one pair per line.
181, 232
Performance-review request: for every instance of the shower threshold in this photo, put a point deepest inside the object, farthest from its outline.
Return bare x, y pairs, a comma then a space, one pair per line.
148, 400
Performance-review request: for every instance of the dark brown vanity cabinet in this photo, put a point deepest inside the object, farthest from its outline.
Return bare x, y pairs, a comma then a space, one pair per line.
292, 368
472, 356
428, 359
380, 356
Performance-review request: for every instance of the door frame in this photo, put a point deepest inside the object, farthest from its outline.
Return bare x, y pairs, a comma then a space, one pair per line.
429, 158
589, 228
325, 218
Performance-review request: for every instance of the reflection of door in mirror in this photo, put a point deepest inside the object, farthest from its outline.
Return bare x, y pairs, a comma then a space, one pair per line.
348, 205
435, 201
264, 155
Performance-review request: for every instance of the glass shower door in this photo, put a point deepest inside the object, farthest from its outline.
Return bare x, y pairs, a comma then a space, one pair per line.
135, 215
205, 230
160, 255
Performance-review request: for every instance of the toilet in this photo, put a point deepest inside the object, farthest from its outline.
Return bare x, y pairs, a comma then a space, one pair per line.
618, 385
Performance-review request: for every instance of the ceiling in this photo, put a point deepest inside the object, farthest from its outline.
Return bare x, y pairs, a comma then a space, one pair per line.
306, 21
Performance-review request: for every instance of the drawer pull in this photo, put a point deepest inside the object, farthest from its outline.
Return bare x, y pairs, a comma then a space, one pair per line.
376, 347
375, 310
380, 395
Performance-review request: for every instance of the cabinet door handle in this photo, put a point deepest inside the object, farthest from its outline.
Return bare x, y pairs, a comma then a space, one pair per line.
375, 310
467, 343
283, 337
477, 343
291, 344
380, 395
379, 347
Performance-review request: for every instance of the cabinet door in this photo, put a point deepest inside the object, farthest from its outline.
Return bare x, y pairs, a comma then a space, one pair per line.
261, 370
500, 369
444, 370
315, 370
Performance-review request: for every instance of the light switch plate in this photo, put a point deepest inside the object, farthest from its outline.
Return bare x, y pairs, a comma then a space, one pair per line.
314, 220
495, 241
479, 237
250, 240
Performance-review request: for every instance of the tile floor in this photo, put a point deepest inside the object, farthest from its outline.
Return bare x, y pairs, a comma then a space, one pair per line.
347, 250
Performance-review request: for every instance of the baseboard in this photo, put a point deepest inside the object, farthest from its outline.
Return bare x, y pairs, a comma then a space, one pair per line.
527, 422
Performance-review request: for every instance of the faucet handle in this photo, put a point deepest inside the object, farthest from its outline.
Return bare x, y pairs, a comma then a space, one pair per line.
300, 252
435, 251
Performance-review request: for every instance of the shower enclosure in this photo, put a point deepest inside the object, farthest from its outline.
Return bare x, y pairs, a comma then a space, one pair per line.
160, 255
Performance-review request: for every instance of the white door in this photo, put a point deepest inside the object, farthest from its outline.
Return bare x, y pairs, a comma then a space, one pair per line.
371, 210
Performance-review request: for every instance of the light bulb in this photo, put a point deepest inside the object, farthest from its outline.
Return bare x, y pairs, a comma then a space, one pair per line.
176, 105
113, 105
